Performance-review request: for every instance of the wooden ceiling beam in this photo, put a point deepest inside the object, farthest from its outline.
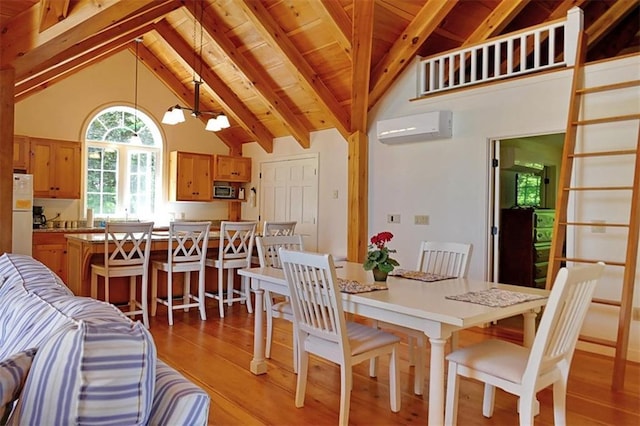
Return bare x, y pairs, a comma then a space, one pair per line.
277, 106
497, 20
362, 37
25, 48
129, 27
608, 20
231, 104
65, 69
52, 12
340, 21
297, 64
406, 46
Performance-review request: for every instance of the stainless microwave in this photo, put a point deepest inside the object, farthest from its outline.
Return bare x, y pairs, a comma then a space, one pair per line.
224, 191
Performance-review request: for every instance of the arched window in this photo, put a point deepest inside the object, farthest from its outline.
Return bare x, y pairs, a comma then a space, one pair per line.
123, 172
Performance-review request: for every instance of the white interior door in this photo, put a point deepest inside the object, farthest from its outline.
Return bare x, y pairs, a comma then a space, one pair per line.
289, 191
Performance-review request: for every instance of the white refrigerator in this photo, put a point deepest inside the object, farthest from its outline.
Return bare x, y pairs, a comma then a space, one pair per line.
22, 213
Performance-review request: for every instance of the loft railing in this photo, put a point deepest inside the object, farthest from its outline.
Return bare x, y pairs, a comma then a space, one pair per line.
538, 48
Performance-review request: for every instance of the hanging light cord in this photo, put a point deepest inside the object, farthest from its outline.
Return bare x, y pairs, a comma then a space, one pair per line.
135, 98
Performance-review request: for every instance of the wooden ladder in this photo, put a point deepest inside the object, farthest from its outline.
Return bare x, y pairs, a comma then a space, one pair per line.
574, 151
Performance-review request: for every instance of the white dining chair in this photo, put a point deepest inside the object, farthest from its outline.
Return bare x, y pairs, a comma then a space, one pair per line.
234, 252
127, 246
279, 228
268, 255
186, 252
524, 371
442, 258
321, 328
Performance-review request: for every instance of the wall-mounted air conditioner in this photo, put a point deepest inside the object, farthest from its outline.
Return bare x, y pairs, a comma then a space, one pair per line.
415, 128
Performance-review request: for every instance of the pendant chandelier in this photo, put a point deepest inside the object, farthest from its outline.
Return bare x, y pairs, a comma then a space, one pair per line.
135, 138
175, 114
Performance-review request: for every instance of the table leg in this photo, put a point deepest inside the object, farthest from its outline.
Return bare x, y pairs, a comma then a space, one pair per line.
258, 363
529, 328
436, 382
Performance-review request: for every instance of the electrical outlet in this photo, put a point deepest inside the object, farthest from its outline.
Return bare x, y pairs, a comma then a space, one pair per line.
335, 194
393, 218
421, 219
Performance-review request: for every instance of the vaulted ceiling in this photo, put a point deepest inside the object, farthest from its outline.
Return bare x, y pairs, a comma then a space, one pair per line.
279, 67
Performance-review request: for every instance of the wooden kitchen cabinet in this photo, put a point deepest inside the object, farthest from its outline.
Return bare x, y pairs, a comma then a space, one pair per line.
190, 176
21, 154
50, 248
55, 165
232, 169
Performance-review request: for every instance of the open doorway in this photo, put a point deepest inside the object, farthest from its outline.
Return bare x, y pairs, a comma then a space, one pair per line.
524, 180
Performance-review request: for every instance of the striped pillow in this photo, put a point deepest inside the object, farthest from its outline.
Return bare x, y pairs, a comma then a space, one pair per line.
91, 374
177, 401
13, 372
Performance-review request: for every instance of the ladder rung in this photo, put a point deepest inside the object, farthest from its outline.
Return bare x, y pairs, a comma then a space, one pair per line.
598, 188
607, 87
607, 119
598, 341
604, 153
580, 260
619, 225
607, 302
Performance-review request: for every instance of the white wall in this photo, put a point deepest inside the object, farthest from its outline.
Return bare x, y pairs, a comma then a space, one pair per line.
62, 111
332, 152
448, 180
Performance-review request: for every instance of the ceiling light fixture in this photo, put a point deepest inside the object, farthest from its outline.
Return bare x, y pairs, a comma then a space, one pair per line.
135, 138
175, 114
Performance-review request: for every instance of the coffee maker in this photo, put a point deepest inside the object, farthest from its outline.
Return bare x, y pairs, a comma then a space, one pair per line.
39, 219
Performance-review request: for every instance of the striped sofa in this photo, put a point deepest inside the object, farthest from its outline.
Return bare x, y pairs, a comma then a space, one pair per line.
75, 360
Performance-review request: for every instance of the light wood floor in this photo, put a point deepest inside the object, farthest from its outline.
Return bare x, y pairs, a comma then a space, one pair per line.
216, 353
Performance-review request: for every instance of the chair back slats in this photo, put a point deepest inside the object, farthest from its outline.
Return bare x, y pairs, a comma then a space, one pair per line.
188, 242
443, 258
563, 316
317, 309
279, 228
127, 243
236, 240
268, 247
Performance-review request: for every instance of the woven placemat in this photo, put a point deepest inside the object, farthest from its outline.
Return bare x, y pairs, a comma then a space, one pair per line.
350, 286
419, 275
495, 297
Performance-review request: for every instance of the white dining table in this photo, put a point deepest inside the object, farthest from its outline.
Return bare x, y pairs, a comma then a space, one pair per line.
410, 303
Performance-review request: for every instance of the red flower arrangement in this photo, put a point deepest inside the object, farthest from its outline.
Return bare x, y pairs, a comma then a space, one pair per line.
378, 254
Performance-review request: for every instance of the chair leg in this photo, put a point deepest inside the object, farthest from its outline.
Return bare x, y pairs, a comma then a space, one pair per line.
451, 406
411, 343
394, 380
186, 290
560, 401
373, 367
488, 400
301, 384
145, 300
132, 293
154, 291
229, 286
526, 408
419, 351
346, 383
201, 296
295, 350
106, 288
221, 291
170, 297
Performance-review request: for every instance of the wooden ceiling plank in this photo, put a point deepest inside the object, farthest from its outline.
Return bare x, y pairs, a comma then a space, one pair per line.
24, 47
340, 21
221, 92
265, 92
606, 22
51, 12
64, 69
131, 27
497, 20
406, 46
278, 39
362, 41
